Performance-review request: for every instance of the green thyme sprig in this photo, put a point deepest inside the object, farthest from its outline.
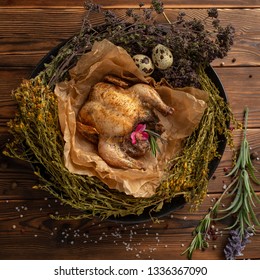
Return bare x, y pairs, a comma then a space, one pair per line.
242, 205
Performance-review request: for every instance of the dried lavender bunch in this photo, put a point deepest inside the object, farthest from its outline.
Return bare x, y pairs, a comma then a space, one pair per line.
236, 244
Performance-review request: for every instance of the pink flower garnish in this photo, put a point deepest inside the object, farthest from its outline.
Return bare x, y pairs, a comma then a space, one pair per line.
139, 134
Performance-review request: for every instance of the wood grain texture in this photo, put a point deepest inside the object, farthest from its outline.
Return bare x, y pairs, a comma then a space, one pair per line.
132, 3
27, 223
30, 29
240, 87
40, 30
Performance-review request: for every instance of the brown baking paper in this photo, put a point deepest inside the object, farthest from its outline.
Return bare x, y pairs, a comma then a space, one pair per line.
82, 157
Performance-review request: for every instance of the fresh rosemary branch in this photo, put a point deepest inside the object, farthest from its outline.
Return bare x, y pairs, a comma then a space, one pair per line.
242, 205
199, 241
244, 201
153, 136
200, 233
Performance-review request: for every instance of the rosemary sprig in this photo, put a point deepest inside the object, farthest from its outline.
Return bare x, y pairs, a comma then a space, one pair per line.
200, 233
245, 197
199, 241
242, 205
153, 136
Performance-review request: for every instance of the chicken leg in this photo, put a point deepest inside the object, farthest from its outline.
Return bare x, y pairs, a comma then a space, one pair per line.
111, 152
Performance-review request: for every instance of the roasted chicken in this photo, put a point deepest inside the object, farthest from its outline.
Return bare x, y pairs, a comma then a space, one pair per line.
111, 114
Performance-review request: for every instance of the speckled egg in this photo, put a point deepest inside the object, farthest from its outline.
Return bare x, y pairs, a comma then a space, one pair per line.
144, 63
162, 57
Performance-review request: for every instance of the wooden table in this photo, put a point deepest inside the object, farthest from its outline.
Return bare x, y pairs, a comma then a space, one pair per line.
29, 29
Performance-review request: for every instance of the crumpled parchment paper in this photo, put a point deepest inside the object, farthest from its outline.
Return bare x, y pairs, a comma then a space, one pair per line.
82, 157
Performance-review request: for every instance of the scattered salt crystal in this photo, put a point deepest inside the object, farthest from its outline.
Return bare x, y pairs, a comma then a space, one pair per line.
182, 245
14, 226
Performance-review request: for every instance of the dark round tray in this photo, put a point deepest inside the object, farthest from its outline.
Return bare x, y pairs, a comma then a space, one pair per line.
177, 202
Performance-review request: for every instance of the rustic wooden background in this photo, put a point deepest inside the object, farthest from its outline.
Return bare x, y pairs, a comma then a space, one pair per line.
28, 30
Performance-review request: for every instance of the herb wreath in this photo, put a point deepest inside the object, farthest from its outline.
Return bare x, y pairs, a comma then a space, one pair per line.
36, 133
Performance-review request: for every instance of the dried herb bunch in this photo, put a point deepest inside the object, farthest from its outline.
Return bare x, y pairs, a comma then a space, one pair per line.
194, 43
36, 127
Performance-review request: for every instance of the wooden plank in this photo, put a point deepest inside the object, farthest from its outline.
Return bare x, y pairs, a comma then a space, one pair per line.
242, 89
241, 85
41, 31
27, 232
132, 3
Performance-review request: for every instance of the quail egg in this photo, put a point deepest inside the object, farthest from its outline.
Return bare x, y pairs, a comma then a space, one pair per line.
144, 63
162, 57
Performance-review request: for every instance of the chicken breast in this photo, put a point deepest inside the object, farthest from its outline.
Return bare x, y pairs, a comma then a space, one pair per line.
111, 114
